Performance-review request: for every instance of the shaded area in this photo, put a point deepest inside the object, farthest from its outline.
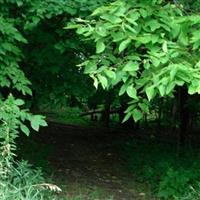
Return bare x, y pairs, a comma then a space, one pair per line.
89, 158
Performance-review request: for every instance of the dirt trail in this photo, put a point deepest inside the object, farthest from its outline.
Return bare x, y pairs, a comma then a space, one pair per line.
88, 156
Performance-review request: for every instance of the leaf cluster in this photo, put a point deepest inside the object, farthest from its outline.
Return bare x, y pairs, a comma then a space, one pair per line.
148, 47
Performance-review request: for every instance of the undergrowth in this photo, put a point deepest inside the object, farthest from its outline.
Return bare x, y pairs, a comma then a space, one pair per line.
169, 176
26, 183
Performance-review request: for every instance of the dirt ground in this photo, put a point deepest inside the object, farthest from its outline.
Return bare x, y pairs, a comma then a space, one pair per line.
88, 157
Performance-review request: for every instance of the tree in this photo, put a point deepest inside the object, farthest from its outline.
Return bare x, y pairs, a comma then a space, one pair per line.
149, 48
29, 49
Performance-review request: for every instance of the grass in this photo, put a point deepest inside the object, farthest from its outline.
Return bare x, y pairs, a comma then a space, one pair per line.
156, 169
67, 116
71, 116
157, 166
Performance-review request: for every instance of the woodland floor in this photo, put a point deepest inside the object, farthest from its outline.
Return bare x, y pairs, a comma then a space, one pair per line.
87, 159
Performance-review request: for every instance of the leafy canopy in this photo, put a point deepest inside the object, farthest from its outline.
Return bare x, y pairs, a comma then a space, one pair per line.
149, 48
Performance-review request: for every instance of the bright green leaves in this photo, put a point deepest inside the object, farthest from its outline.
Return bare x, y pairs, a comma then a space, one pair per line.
118, 36
156, 46
124, 44
37, 121
150, 92
103, 80
111, 18
90, 66
164, 47
132, 92
110, 74
10, 55
19, 102
13, 116
25, 129
153, 24
101, 30
131, 66
100, 47
162, 90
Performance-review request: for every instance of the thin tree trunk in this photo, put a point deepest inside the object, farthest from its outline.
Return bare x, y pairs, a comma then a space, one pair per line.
184, 116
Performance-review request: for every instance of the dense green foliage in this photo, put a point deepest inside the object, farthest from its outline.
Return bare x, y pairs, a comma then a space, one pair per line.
169, 177
29, 49
144, 53
147, 48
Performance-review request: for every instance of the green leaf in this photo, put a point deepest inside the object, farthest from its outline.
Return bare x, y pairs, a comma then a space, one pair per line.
96, 83
123, 89
192, 89
155, 61
170, 87
154, 24
25, 129
131, 107
110, 74
123, 45
175, 29
127, 117
19, 102
173, 73
90, 67
111, 18
132, 21
162, 90
103, 81
179, 82
37, 121
133, 15
183, 38
144, 13
144, 107
129, 28
118, 36
137, 115
164, 47
131, 66
132, 92
150, 92
101, 31
100, 46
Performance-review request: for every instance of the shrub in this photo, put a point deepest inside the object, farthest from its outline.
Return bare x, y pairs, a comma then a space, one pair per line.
25, 183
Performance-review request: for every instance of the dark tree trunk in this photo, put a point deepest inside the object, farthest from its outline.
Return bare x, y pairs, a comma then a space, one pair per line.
184, 116
106, 114
160, 111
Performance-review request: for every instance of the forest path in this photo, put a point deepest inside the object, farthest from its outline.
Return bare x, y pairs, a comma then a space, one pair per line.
88, 157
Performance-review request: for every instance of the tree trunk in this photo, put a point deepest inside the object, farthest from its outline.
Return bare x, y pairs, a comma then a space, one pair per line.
159, 118
106, 114
184, 116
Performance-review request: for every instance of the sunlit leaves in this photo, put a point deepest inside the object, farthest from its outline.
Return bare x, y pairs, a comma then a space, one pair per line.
124, 44
100, 47
150, 92
37, 121
25, 129
19, 102
131, 66
157, 45
132, 92
103, 81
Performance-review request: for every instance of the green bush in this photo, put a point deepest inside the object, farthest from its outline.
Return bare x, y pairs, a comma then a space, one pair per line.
169, 176
25, 183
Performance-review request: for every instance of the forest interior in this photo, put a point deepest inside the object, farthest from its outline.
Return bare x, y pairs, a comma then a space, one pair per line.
99, 99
